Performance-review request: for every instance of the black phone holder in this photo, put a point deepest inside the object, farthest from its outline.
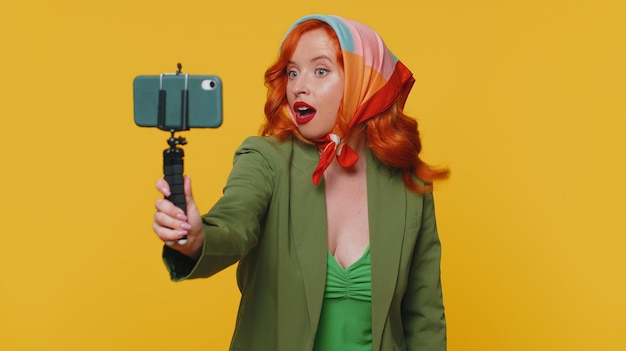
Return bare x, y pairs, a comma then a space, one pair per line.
173, 157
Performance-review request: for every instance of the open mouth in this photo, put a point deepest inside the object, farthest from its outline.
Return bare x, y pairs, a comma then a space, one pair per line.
304, 112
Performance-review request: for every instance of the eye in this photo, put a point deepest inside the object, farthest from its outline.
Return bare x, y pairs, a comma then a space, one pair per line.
320, 72
292, 73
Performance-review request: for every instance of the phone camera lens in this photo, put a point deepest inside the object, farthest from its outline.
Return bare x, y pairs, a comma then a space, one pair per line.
208, 84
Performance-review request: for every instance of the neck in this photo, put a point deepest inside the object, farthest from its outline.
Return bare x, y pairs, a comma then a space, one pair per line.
357, 142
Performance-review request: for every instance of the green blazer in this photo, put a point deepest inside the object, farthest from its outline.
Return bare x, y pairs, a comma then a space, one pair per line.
272, 220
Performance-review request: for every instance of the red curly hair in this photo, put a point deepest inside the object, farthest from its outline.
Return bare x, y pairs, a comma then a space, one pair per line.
392, 136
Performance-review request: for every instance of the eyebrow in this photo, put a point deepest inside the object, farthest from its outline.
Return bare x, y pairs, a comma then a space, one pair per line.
321, 57
317, 58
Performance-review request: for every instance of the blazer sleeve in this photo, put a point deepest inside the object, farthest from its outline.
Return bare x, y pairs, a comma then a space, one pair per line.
422, 306
233, 225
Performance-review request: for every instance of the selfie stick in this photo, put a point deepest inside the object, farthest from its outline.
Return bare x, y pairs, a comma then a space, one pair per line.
173, 163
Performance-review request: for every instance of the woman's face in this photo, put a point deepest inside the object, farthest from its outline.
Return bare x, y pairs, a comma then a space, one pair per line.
315, 84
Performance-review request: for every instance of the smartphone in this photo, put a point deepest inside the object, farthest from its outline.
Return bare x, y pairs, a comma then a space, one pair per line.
177, 101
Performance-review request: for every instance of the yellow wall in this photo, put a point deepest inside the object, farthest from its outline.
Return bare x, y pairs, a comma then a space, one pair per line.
525, 100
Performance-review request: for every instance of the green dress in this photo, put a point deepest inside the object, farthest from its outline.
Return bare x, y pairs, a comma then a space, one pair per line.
346, 318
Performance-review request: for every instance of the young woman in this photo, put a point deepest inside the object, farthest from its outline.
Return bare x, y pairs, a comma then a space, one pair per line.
330, 212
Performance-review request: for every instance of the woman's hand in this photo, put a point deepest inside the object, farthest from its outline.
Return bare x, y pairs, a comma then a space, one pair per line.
171, 223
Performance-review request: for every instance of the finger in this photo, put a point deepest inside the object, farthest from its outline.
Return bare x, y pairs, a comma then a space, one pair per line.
173, 221
181, 242
163, 187
168, 234
188, 191
193, 215
167, 207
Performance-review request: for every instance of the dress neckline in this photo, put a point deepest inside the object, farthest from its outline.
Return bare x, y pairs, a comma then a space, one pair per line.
355, 264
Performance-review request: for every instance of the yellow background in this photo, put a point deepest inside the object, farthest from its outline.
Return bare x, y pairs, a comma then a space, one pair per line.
524, 100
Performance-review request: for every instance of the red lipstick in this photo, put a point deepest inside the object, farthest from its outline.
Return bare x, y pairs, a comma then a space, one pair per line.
304, 112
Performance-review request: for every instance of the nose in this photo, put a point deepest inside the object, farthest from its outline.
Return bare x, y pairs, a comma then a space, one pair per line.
299, 86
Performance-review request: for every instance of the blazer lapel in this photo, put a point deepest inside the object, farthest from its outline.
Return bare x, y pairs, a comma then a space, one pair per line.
308, 227
387, 212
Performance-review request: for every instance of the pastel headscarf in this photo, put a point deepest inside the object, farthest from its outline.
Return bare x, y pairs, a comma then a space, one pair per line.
374, 80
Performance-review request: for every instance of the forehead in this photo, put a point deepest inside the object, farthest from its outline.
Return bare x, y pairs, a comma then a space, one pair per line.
314, 42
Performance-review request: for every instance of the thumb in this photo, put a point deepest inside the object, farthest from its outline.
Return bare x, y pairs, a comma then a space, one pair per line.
193, 214
188, 192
